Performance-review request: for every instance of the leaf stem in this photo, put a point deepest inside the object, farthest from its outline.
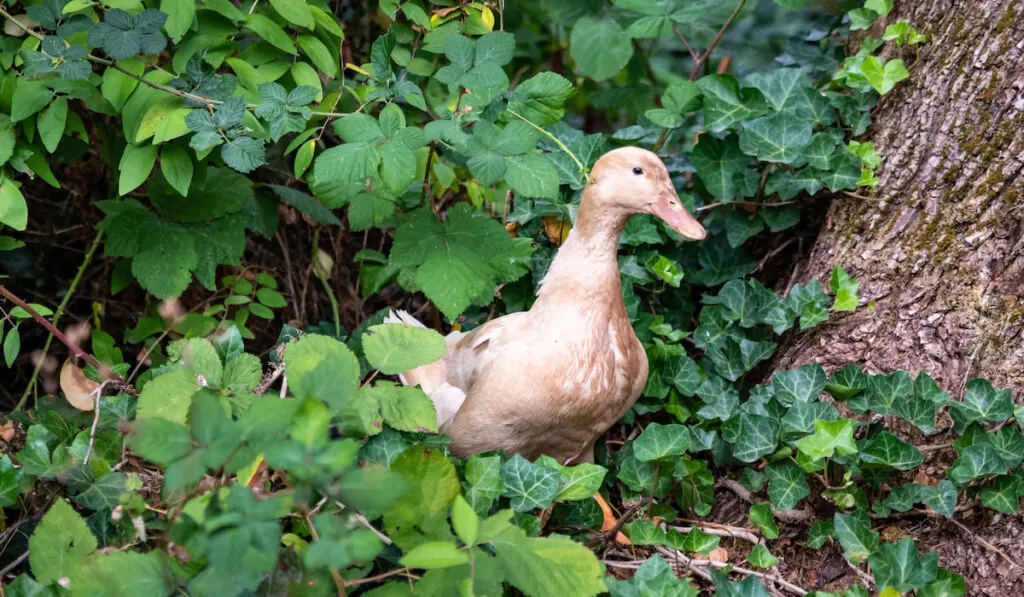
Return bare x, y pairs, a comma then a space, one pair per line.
554, 139
322, 276
57, 315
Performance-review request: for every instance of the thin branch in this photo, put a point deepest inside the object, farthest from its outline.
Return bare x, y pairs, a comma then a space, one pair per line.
985, 543
722, 531
13, 564
75, 349
97, 394
338, 581
791, 516
695, 565
553, 138
714, 42
57, 315
710, 206
689, 48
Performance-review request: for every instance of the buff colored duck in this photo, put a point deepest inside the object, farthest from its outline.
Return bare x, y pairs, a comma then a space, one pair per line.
553, 379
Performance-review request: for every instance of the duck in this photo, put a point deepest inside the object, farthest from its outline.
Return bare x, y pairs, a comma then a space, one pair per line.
553, 379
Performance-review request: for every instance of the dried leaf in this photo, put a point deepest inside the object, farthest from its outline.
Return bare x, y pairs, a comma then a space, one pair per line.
719, 554
556, 229
78, 389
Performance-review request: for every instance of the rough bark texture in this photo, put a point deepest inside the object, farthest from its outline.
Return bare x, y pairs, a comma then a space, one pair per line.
941, 252
941, 249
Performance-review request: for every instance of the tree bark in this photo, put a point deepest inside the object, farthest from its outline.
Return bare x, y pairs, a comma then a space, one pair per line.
939, 248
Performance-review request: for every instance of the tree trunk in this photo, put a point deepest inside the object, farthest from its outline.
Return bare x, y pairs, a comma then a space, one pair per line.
940, 251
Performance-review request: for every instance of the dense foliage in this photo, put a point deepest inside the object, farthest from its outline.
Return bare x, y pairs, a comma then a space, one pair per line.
462, 135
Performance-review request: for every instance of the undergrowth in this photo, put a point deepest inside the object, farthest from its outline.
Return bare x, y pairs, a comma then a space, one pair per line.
461, 137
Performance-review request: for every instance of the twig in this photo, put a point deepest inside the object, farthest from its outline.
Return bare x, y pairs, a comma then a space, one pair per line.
57, 315
791, 516
749, 203
325, 281
864, 576
268, 380
695, 565
13, 564
97, 393
75, 349
773, 253
718, 531
366, 523
714, 42
861, 197
985, 543
553, 138
388, 574
689, 48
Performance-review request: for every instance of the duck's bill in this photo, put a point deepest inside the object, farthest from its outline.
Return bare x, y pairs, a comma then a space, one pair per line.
676, 216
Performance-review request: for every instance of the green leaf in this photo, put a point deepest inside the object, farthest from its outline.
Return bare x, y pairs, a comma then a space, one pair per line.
60, 544
579, 482
829, 438
789, 90
976, 461
847, 382
180, 15
844, 288
176, 166
348, 162
778, 138
295, 12
483, 482
600, 47
530, 486
883, 75
645, 532
786, 484
760, 557
12, 346
270, 32
433, 485
761, 516
168, 396
882, 7
404, 408
855, 535
397, 348
104, 493
244, 154
758, 436
1005, 495
164, 265
458, 262
12, 480
548, 567
465, 521
435, 554
660, 441
541, 98
725, 104
13, 208
51, 122
885, 448
136, 163
654, 578
159, 440
532, 176
820, 532
799, 385
981, 403
306, 204
899, 566
122, 574
724, 168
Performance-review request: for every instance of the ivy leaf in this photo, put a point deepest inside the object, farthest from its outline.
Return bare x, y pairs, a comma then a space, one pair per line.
397, 348
760, 557
829, 438
724, 168
941, 498
660, 441
105, 492
820, 532
697, 541
758, 436
725, 104
899, 566
600, 47
844, 288
799, 385
981, 403
855, 535
789, 90
885, 448
60, 544
1005, 495
761, 516
788, 184
579, 482
778, 138
483, 484
786, 484
529, 486
646, 532
748, 587
847, 382
654, 578
883, 75
976, 461
459, 261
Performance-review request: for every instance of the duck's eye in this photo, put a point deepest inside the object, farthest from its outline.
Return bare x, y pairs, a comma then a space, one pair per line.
638, 170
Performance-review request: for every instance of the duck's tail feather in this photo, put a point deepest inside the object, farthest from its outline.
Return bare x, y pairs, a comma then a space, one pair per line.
431, 378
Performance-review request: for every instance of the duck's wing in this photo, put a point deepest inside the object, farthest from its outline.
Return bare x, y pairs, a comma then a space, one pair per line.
448, 380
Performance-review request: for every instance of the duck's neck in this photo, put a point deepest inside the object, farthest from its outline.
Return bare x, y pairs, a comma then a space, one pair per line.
585, 269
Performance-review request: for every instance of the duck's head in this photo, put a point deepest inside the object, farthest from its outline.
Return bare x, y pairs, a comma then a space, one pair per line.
634, 181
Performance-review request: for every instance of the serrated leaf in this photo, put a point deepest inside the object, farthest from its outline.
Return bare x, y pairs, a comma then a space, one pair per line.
60, 544
600, 47
654, 578
541, 98
168, 396
532, 176
397, 348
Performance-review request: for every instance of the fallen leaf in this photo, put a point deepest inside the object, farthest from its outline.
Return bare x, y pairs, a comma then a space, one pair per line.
78, 389
512, 228
7, 431
719, 554
556, 229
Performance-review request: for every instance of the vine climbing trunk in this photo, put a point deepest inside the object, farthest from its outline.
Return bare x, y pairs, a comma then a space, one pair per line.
939, 248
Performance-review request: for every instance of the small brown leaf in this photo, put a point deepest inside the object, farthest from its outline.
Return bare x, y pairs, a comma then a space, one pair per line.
7, 431
719, 554
556, 229
171, 310
79, 390
512, 228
